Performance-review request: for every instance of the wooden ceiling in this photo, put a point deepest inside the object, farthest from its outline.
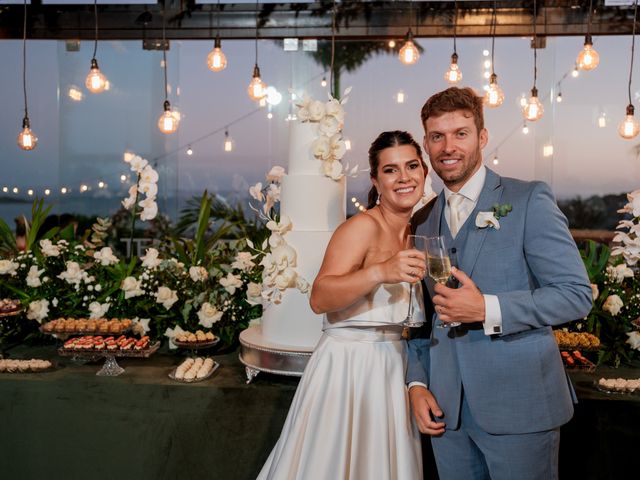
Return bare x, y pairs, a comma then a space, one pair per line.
184, 19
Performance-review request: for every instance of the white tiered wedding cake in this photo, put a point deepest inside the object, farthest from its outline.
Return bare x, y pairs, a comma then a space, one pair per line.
316, 205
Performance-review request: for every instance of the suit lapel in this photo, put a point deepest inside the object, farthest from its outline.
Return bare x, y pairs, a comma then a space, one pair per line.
490, 195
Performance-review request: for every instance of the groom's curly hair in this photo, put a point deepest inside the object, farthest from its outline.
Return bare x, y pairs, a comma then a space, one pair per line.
453, 99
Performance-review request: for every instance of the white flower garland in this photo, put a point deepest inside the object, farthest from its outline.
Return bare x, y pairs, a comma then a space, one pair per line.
147, 183
629, 246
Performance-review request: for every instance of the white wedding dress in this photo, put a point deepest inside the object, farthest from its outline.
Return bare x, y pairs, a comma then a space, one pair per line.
350, 416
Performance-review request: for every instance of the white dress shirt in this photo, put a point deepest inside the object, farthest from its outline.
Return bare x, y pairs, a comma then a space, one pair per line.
470, 191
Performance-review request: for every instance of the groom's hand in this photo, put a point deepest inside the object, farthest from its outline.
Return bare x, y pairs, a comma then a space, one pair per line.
463, 304
423, 405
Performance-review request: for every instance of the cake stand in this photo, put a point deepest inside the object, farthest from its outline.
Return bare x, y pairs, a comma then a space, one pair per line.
259, 355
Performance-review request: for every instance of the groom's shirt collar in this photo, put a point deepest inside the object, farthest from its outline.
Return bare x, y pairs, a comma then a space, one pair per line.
472, 189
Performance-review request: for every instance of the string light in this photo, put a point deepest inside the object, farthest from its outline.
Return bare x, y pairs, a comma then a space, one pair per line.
547, 150
47, 191
629, 127
323, 82
5, 189
588, 58
495, 159
30, 192
26, 138
534, 110
101, 184
257, 87
228, 142
400, 97
409, 53
575, 72
454, 75
494, 96
559, 97
189, 150
217, 60
168, 121
392, 44
95, 81
15, 190
64, 190
602, 120
525, 128
123, 178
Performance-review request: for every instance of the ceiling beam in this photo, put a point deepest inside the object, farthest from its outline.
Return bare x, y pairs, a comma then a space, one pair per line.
354, 20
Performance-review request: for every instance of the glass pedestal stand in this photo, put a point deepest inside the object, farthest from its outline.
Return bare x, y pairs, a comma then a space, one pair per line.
110, 368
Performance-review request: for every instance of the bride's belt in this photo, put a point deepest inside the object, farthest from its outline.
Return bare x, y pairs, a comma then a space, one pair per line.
369, 333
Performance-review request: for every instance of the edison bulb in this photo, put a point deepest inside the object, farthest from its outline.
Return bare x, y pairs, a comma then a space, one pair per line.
168, 122
494, 96
525, 129
96, 82
257, 87
629, 127
453, 75
26, 138
588, 58
533, 110
228, 143
216, 60
409, 53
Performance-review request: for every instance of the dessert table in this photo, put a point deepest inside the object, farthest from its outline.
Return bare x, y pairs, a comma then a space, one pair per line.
70, 423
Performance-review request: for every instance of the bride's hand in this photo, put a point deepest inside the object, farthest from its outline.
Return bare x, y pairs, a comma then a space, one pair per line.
425, 407
405, 266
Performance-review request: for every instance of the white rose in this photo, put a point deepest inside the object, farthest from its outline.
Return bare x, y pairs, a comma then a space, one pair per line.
275, 174
286, 279
329, 126
198, 274
33, 277
8, 267
619, 272
231, 282
612, 304
148, 175
243, 261
150, 259
131, 287
316, 111
166, 297
98, 310
284, 256
106, 257
208, 315
321, 148
48, 249
73, 274
38, 310
303, 114
333, 169
171, 333
254, 293
487, 219
634, 340
256, 192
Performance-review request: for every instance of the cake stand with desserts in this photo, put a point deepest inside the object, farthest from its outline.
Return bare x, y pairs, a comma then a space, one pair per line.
93, 347
8, 308
195, 341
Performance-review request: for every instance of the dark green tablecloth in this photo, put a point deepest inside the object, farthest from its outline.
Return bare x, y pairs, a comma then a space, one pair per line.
70, 423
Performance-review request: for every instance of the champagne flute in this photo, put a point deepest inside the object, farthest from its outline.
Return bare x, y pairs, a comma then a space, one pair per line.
439, 266
419, 243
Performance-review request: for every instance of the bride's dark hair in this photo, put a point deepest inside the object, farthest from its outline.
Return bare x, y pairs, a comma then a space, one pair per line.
395, 138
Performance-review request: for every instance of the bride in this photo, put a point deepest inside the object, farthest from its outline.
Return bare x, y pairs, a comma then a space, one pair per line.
350, 415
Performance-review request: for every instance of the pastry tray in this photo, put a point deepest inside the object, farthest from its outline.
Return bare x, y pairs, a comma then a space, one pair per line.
602, 389
215, 367
95, 354
196, 345
85, 332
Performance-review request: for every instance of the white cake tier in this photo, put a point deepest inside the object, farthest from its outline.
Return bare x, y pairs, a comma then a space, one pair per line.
313, 203
301, 159
292, 322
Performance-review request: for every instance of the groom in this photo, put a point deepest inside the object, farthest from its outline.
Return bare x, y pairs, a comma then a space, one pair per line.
492, 392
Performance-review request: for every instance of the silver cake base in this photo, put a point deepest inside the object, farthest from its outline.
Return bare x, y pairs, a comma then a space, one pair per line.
259, 355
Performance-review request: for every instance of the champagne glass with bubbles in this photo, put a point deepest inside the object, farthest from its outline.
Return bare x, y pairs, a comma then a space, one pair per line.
419, 243
439, 265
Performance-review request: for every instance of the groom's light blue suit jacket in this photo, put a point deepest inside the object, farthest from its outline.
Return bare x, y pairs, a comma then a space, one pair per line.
514, 382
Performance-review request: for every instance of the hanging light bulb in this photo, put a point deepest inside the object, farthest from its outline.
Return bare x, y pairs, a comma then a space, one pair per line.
629, 127
189, 151
392, 44
95, 82
525, 128
494, 96
323, 82
495, 159
400, 97
257, 87
547, 150
588, 58
453, 75
228, 142
523, 100
409, 53
167, 123
47, 191
216, 60
533, 110
26, 138
602, 120
575, 72
559, 97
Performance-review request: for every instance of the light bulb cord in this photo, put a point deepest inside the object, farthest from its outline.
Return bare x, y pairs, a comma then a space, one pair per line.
455, 24
633, 45
333, 48
589, 19
535, 45
493, 37
24, 61
256, 43
95, 16
164, 56
218, 21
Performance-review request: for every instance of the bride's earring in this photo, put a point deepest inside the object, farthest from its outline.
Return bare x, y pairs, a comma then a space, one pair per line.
378, 200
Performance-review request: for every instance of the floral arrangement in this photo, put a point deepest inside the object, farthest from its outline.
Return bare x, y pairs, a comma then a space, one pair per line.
278, 258
615, 285
329, 146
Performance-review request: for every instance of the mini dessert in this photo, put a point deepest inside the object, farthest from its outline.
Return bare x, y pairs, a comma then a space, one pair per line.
576, 340
193, 369
619, 385
8, 305
23, 366
198, 337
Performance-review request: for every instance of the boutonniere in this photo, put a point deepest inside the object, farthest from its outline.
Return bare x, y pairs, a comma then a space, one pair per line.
490, 219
